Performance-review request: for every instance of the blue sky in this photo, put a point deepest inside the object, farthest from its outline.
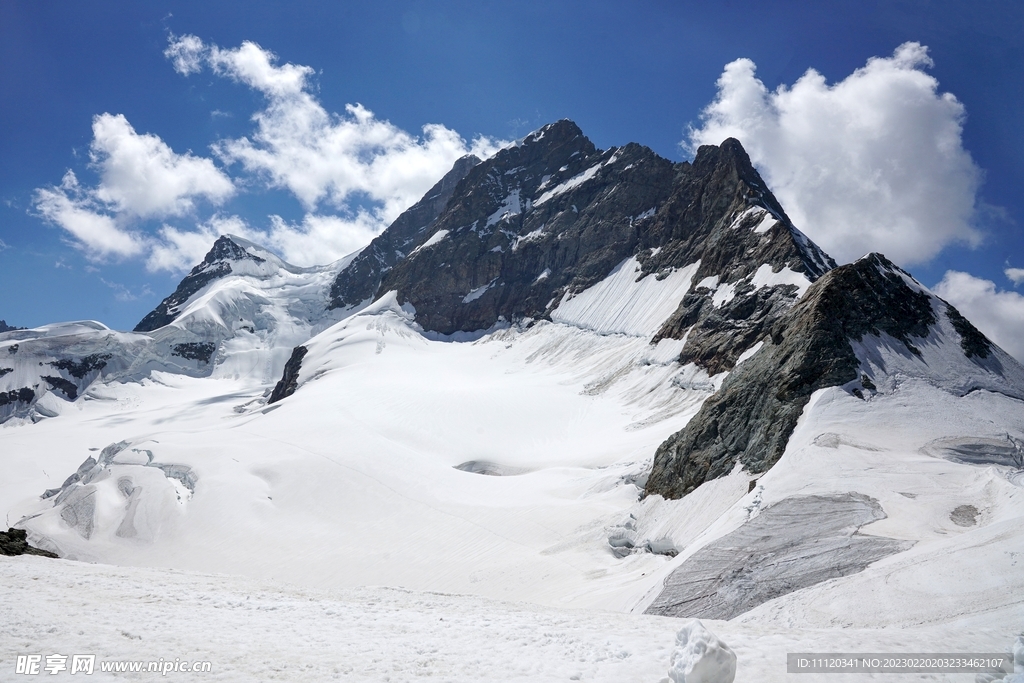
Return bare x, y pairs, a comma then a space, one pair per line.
88, 88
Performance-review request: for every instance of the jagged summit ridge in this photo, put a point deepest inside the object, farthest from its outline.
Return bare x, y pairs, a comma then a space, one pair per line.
216, 264
864, 326
551, 216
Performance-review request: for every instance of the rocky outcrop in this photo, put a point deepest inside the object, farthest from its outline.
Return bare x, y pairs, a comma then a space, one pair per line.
216, 264
750, 419
15, 542
360, 281
972, 341
81, 367
24, 395
289, 381
4, 327
199, 351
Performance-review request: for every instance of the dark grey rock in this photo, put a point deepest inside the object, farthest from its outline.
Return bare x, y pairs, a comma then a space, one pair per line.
289, 381
80, 368
964, 515
66, 387
4, 327
505, 247
23, 395
972, 341
15, 542
199, 351
6, 371
808, 348
796, 543
361, 280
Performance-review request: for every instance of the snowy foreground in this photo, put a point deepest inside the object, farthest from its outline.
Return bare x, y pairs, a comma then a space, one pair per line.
217, 527
259, 631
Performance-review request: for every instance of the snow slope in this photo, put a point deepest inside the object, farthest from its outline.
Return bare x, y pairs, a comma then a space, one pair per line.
460, 474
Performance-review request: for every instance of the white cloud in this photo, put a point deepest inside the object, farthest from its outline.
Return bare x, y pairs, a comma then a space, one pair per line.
123, 293
321, 239
324, 157
186, 54
140, 175
999, 314
1015, 274
252, 65
365, 169
874, 162
73, 209
316, 240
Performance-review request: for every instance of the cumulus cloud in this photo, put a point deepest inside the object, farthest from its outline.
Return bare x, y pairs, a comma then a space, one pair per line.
874, 162
142, 176
353, 173
1015, 274
320, 238
999, 314
186, 54
315, 240
76, 210
326, 157
139, 177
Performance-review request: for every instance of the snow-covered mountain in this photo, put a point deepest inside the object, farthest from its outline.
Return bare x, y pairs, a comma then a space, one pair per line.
567, 376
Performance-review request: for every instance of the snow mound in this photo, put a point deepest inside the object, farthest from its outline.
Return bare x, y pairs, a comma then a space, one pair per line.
700, 657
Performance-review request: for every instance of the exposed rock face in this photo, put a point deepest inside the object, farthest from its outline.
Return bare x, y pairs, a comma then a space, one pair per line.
23, 395
4, 327
15, 542
215, 265
200, 351
290, 379
360, 281
83, 366
66, 387
752, 417
972, 341
551, 216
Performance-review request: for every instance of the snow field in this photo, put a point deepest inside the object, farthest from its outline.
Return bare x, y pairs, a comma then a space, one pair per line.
271, 631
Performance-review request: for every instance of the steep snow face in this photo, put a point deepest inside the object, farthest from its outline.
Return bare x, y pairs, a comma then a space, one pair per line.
628, 301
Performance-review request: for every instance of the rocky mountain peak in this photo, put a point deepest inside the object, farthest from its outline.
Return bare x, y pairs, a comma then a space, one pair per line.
217, 263
551, 215
228, 248
836, 335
